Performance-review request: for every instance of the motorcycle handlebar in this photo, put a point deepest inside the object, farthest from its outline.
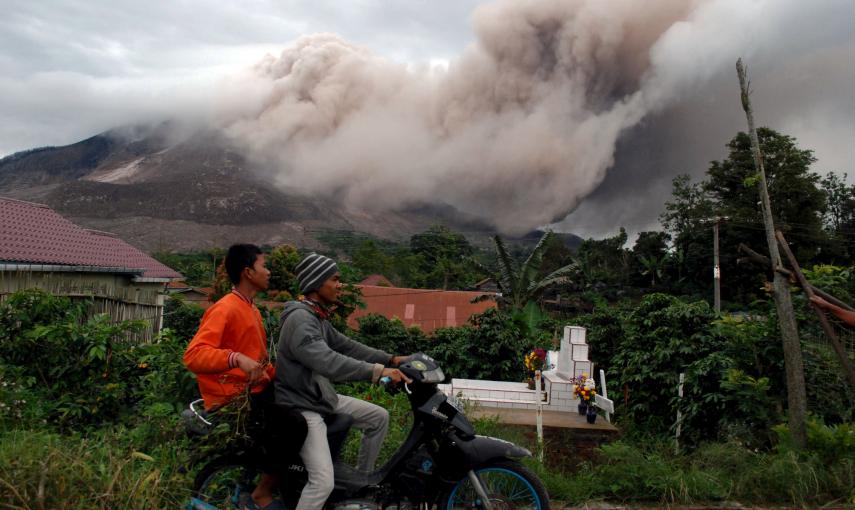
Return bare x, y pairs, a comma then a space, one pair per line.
389, 385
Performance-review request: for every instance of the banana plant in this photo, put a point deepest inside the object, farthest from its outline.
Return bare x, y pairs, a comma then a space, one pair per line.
521, 284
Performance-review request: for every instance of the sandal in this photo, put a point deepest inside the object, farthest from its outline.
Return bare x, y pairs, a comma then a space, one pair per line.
249, 504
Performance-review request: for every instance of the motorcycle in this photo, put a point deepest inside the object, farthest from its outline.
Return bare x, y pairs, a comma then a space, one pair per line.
442, 462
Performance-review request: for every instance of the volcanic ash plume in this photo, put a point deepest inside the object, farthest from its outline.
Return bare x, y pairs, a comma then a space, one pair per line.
517, 130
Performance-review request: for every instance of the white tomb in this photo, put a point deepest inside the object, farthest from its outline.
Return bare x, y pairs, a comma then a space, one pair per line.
570, 361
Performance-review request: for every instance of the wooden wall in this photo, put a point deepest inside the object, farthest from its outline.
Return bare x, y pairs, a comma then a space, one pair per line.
114, 294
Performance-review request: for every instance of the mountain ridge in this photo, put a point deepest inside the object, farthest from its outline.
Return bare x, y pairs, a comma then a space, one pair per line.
158, 191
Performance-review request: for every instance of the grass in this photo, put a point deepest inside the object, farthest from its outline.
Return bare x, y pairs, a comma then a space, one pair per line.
713, 473
41, 470
142, 467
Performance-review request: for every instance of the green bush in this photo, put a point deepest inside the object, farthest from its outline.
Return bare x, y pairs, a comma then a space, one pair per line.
492, 347
391, 335
81, 368
181, 317
734, 385
60, 368
662, 337
163, 386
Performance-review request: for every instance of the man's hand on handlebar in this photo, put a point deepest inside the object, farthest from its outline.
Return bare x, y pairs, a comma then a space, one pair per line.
395, 375
397, 360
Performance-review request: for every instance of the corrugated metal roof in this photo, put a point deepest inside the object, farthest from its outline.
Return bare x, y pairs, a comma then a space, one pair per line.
36, 234
426, 308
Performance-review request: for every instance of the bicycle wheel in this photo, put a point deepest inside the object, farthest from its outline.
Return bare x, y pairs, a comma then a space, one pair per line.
508, 484
220, 483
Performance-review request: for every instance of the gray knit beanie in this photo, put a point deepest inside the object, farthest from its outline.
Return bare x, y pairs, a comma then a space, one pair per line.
313, 271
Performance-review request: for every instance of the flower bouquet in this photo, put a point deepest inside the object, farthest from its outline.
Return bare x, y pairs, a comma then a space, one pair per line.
534, 361
585, 390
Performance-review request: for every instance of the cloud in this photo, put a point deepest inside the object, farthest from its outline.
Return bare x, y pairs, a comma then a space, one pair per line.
125, 59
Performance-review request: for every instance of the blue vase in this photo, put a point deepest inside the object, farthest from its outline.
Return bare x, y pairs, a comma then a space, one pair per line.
591, 415
583, 408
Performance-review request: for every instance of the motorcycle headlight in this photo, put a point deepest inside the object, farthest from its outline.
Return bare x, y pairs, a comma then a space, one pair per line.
433, 376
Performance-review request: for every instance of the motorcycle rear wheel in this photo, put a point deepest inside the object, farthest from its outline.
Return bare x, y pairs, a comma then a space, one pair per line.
509, 485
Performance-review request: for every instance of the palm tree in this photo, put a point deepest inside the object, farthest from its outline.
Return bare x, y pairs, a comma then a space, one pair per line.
521, 284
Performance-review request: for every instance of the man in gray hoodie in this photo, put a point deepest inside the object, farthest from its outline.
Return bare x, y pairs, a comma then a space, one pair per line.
311, 355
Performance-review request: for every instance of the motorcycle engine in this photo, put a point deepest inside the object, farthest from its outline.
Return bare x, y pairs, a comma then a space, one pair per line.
356, 504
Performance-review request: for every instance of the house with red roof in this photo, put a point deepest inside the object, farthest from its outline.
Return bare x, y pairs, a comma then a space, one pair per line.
39, 248
200, 296
429, 309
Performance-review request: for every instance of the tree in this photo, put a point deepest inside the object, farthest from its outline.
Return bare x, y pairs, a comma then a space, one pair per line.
839, 218
440, 242
521, 284
281, 262
797, 202
690, 204
652, 266
684, 216
445, 258
838, 196
198, 268
369, 259
650, 255
605, 260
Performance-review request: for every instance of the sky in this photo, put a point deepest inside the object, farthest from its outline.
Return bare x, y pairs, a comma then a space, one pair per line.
626, 95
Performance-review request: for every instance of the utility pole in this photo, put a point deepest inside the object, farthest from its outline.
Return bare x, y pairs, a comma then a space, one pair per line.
716, 267
794, 366
716, 221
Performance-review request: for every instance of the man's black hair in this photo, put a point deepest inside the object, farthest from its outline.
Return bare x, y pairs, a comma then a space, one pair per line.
239, 257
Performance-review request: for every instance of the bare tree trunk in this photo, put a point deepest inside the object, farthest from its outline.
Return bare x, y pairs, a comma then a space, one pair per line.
794, 366
823, 320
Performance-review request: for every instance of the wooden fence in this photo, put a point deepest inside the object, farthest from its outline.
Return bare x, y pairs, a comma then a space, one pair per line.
114, 294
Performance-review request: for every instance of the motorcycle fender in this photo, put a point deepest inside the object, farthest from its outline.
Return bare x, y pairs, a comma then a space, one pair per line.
480, 449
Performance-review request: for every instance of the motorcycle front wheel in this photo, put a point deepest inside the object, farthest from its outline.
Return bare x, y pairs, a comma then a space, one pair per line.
220, 483
508, 484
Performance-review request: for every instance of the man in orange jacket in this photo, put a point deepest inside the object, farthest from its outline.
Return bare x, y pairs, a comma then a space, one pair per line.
229, 356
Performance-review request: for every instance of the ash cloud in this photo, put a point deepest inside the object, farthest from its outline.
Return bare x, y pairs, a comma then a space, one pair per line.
518, 130
529, 122
797, 56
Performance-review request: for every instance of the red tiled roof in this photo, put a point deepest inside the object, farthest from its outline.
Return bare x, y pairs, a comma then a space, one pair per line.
376, 280
36, 234
429, 309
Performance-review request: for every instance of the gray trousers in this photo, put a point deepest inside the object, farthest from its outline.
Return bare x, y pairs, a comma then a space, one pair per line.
372, 419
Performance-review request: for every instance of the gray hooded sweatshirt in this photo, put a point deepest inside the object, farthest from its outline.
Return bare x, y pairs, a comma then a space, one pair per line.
312, 353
